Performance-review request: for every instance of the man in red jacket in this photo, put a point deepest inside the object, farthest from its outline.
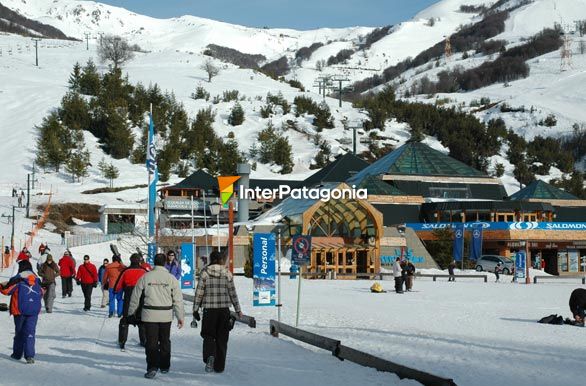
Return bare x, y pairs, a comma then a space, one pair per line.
67, 268
125, 283
87, 276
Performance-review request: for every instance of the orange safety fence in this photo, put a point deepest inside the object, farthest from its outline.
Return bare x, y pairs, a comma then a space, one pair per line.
9, 258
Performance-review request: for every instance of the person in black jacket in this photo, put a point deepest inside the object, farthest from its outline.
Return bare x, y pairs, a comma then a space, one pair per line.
410, 269
578, 305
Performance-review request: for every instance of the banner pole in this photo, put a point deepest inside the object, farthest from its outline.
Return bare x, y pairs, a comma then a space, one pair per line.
279, 276
299, 294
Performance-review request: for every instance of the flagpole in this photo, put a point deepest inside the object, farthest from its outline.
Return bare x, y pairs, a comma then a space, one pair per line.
149, 237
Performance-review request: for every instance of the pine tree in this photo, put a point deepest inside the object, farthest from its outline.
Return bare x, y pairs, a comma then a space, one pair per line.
230, 157
75, 112
54, 143
77, 164
89, 83
75, 78
322, 159
323, 118
119, 139
267, 139
283, 155
236, 117
111, 173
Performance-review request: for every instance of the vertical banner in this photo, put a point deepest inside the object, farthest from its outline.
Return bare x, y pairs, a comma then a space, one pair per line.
476, 247
458, 249
151, 252
520, 266
153, 172
264, 270
187, 264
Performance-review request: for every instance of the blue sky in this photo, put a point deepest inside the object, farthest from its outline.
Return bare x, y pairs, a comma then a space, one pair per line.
297, 14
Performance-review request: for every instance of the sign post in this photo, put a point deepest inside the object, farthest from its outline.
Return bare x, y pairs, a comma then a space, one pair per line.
520, 266
301, 256
264, 270
187, 258
151, 252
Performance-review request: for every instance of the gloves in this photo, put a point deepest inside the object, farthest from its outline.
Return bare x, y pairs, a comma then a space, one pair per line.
196, 318
95, 285
78, 282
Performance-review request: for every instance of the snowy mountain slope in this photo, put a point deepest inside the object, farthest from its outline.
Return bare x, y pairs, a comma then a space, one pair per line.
188, 33
28, 94
405, 40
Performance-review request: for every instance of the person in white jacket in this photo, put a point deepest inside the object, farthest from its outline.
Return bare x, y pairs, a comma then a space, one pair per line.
397, 275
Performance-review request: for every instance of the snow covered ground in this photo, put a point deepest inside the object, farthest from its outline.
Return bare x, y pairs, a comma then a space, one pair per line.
473, 332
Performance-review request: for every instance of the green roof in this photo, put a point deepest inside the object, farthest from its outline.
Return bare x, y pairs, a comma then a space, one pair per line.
543, 191
199, 179
378, 187
344, 167
416, 158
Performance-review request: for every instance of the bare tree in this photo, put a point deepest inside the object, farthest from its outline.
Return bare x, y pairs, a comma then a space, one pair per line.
210, 68
115, 49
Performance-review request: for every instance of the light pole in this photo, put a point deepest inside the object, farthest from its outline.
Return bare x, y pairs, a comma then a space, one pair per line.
215, 209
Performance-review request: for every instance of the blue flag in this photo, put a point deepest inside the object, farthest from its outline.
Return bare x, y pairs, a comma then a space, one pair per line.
263, 270
476, 247
458, 251
153, 171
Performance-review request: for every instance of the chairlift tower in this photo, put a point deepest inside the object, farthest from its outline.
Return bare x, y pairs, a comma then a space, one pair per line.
566, 52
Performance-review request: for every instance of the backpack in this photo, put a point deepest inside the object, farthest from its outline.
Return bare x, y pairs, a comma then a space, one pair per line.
29, 296
552, 319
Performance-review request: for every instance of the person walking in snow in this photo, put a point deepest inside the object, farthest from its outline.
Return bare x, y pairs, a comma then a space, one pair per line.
397, 275
49, 271
162, 299
497, 270
451, 268
25, 305
113, 271
125, 284
67, 267
215, 293
172, 265
104, 287
87, 277
410, 269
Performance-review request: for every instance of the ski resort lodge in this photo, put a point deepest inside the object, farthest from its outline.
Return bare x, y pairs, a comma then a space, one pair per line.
412, 192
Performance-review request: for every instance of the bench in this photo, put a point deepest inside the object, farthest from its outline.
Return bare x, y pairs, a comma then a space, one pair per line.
581, 277
435, 276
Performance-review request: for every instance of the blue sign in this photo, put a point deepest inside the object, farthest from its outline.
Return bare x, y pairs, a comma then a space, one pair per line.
476, 247
499, 226
151, 252
408, 255
187, 266
458, 249
264, 270
520, 265
301, 252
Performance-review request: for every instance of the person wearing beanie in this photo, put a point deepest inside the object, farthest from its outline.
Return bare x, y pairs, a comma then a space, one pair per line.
113, 271
87, 277
215, 293
125, 284
162, 299
49, 271
25, 305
